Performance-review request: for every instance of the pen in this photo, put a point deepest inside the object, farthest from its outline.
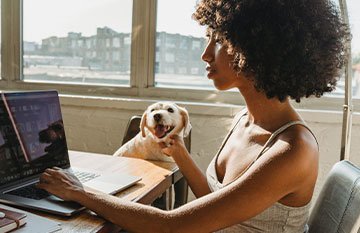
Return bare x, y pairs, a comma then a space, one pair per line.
2, 214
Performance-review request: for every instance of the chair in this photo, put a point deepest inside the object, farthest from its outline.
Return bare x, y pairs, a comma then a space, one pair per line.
180, 184
337, 209
132, 128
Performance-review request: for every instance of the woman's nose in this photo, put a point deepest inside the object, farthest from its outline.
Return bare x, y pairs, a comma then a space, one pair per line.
208, 54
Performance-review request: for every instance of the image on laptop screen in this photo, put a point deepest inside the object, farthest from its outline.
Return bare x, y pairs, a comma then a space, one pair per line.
32, 136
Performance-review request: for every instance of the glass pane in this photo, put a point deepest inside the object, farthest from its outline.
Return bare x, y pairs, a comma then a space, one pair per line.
339, 91
180, 42
354, 18
0, 40
77, 41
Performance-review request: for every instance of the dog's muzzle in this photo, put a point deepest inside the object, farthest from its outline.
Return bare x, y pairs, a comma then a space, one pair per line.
162, 130
157, 117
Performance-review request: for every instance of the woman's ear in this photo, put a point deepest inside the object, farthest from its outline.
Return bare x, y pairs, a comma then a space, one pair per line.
143, 124
186, 121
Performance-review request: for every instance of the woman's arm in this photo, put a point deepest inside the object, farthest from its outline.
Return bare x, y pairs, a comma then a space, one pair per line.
194, 176
281, 171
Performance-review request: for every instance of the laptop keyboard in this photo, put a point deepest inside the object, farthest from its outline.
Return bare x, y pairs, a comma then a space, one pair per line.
84, 176
32, 192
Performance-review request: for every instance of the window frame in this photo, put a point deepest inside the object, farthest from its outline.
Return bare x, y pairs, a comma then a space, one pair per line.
142, 77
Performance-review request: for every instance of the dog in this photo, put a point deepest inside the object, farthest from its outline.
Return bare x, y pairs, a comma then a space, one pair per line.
54, 135
54, 132
159, 121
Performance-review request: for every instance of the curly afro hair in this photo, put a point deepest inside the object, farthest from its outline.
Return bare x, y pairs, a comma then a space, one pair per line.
293, 48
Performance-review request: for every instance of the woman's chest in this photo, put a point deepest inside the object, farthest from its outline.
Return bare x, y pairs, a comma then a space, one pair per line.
237, 154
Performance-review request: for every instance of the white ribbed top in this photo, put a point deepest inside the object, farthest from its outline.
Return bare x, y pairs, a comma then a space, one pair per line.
278, 217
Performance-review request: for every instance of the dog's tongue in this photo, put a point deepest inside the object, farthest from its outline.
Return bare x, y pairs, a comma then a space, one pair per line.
160, 131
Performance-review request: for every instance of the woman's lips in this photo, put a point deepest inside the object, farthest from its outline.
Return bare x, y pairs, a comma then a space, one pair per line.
210, 71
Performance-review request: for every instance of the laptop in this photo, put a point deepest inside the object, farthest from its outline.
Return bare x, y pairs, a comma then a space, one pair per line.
32, 138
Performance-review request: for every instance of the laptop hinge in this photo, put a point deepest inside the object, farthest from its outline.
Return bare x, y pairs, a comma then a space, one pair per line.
19, 185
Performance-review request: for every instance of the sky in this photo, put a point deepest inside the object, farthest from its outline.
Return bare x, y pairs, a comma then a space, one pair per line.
354, 18
45, 18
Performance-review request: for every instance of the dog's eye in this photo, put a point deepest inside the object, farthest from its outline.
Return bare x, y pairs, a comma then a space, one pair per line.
152, 110
170, 110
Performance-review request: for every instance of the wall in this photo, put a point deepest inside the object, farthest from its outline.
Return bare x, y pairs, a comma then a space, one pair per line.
98, 126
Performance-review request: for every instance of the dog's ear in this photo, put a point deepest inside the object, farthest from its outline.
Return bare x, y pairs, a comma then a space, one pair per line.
143, 123
186, 121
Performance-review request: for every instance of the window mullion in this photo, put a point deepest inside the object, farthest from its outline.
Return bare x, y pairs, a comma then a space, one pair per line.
347, 107
141, 65
11, 27
151, 43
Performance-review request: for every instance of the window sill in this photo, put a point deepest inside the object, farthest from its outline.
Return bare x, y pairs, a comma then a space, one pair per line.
197, 108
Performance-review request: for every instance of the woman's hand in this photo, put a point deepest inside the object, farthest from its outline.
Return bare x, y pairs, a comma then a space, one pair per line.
193, 174
175, 148
60, 183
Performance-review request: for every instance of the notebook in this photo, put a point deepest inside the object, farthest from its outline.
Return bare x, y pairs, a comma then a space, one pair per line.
34, 223
32, 138
11, 220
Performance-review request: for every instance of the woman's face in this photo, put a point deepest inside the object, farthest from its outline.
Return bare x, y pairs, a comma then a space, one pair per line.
219, 66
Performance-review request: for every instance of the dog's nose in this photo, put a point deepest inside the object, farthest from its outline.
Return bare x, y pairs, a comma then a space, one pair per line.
157, 117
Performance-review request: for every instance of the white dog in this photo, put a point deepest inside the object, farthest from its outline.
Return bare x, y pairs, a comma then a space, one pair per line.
158, 123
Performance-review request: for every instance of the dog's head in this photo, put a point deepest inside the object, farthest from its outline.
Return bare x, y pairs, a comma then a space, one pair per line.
54, 132
163, 119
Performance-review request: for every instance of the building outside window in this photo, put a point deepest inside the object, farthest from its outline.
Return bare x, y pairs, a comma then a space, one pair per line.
196, 45
73, 44
116, 42
127, 40
177, 32
170, 57
354, 18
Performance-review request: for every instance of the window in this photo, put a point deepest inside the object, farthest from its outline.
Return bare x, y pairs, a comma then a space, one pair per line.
196, 44
0, 39
181, 41
91, 43
79, 42
354, 20
169, 57
116, 42
127, 40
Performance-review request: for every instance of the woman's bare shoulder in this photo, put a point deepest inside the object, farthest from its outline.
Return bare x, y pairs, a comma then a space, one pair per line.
297, 148
301, 140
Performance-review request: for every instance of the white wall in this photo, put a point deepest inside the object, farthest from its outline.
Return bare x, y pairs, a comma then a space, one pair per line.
98, 125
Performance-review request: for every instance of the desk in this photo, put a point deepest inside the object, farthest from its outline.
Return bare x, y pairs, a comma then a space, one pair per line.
157, 177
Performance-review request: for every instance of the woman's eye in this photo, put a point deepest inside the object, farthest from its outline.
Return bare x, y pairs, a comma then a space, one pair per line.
218, 41
170, 110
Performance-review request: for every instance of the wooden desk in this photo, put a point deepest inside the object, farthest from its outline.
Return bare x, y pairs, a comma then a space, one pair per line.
157, 177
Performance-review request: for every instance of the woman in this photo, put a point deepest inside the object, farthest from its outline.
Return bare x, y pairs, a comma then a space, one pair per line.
262, 178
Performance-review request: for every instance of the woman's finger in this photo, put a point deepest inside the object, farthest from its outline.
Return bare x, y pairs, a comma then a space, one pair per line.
45, 178
50, 171
55, 174
174, 136
41, 185
162, 145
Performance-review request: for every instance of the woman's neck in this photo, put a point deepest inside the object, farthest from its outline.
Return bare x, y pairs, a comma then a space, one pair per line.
270, 114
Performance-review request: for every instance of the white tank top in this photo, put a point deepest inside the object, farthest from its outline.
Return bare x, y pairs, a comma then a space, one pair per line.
278, 217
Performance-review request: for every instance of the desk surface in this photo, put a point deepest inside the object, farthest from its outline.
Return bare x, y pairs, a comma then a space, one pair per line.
157, 177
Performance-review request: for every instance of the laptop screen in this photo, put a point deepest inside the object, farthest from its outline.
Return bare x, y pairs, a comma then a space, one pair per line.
32, 136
